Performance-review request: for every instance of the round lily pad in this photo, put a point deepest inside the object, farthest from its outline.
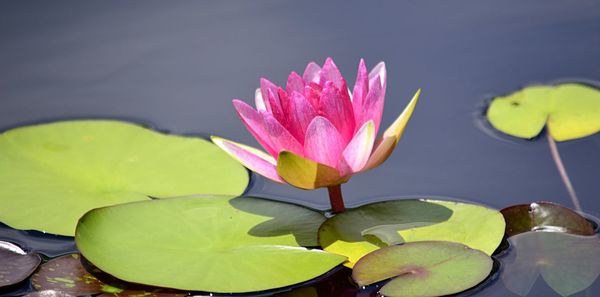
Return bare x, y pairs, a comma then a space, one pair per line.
51, 174
568, 263
68, 275
210, 243
569, 110
360, 231
15, 264
425, 268
539, 216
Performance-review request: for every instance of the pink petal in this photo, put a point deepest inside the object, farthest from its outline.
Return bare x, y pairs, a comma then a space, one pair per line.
280, 137
312, 92
373, 105
294, 83
265, 86
378, 70
386, 144
361, 88
335, 104
358, 151
284, 100
312, 73
250, 157
302, 113
323, 143
276, 109
331, 73
259, 100
255, 124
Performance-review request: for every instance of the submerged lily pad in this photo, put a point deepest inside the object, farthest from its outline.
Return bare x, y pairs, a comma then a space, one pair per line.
49, 293
425, 268
67, 275
569, 110
51, 174
544, 216
360, 231
210, 243
568, 263
15, 264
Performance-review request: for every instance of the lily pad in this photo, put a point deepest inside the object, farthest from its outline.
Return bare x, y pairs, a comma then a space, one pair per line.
68, 275
210, 243
15, 264
545, 216
569, 110
49, 293
360, 231
51, 174
568, 263
425, 268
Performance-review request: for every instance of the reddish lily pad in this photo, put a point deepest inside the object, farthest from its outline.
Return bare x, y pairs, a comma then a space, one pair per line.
544, 216
568, 263
424, 268
15, 264
49, 293
67, 275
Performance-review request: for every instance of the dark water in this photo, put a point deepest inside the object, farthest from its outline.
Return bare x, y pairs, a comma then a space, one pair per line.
178, 64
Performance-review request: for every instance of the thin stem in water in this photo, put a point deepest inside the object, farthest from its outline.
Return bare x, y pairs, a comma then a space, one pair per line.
336, 199
563, 172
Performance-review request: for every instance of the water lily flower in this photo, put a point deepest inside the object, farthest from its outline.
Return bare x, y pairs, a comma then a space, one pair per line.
316, 132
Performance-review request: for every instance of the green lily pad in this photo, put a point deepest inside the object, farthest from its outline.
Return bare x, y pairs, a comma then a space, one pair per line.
51, 174
15, 264
568, 263
544, 216
569, 110
360, 231
210, 243
425, 268
68, 275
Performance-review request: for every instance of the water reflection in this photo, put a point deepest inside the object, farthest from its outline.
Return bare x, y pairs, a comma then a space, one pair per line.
567, 263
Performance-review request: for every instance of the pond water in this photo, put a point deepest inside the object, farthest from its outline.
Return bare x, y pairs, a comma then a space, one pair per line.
177, 65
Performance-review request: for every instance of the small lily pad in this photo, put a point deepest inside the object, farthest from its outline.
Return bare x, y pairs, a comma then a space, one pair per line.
425, 268
569, 110
568, 263
545, 216
15, 264
360, 231
51, 174
67, 275
210, 243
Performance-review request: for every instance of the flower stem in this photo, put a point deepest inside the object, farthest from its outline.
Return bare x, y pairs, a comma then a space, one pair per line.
563, 172
336, 199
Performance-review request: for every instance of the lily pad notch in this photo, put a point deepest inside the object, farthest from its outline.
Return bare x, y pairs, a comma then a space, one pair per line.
423, 268
219, 244
568, 111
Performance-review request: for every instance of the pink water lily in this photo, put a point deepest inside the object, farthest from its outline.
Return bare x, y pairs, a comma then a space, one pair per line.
316, 132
